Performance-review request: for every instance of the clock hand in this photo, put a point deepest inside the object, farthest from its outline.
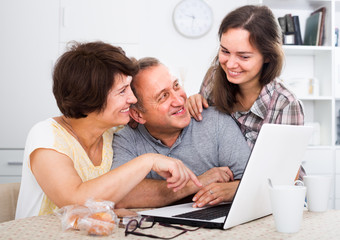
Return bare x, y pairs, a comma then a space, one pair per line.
191, 16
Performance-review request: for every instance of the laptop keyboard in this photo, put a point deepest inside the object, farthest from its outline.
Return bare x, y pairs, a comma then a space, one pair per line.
207, 213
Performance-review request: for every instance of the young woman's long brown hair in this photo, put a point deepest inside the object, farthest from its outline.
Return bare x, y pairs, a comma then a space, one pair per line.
265, 35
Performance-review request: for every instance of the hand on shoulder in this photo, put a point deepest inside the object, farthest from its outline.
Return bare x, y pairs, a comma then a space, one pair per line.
195, 104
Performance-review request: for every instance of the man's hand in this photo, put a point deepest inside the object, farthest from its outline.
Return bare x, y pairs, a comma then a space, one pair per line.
215, 193
216, 175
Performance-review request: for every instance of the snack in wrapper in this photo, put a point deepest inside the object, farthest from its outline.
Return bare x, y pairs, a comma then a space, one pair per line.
96, 217
100, 223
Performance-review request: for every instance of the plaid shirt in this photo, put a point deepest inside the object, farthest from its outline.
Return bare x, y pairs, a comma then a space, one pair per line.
275, 104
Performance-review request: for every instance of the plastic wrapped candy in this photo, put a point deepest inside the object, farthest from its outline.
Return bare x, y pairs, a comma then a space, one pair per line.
95, 217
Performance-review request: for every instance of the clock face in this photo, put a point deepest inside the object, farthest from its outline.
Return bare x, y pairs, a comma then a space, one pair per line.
193, 18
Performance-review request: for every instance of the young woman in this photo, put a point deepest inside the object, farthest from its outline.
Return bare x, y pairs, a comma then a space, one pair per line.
242, 80
67, 159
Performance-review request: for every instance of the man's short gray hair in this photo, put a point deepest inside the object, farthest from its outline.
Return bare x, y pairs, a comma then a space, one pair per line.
143, 64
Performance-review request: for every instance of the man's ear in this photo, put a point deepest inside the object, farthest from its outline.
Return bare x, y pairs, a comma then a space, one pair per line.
136, 115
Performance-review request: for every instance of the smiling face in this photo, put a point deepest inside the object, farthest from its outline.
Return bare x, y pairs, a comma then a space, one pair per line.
119, 99
241, 62
163, 102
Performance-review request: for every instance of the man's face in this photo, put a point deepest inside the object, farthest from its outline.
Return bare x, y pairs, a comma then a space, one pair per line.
163, 100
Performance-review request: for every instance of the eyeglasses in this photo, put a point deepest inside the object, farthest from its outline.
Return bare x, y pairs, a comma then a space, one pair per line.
146, 223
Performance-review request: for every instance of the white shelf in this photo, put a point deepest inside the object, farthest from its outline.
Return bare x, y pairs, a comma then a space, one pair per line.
296, 4
319, 147
320, 98
305, 50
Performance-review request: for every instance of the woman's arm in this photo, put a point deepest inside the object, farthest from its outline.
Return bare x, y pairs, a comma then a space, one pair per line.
59, 180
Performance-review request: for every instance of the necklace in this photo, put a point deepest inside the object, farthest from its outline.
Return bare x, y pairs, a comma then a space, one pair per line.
71, 130
243, 105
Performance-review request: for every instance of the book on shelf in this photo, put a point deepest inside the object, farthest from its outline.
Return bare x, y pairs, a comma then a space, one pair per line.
315, 28
312, 31
290, 23
321, 10
290, 27
289, 35
298, 38
282, 23
287, 28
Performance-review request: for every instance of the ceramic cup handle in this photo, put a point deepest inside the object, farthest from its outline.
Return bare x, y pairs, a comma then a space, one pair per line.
300, 183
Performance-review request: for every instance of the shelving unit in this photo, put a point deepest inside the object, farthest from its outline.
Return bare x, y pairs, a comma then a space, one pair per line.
321, 63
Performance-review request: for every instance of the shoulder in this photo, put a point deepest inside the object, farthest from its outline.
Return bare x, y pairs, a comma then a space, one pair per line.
277, 96
41, 135
126, 131
285, 103
214, 119
127, 135
42, 128
283, 91
211, 114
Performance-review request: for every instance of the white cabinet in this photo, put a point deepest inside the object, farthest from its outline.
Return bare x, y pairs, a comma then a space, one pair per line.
10, 165
337, 179
319, 161
28, 47
26, 62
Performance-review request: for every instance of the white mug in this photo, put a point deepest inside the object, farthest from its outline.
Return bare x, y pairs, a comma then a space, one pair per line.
287, 204
318, 189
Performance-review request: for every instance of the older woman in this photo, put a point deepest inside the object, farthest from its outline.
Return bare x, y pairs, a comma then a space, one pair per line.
67, 158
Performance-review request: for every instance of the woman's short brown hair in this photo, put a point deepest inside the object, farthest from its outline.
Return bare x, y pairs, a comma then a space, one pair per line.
84, 75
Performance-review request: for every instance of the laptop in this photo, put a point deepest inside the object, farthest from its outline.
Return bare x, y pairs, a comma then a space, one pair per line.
277, 154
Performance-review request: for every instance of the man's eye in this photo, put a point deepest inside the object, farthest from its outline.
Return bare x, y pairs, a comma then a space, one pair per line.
163, 96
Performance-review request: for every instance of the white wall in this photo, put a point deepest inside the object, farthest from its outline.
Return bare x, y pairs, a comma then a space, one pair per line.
159, 38
34, 33
150, 25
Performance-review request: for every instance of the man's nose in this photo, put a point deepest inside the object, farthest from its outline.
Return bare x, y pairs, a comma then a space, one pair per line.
177, 99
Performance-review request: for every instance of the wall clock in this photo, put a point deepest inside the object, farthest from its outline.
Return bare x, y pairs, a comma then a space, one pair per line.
192, 18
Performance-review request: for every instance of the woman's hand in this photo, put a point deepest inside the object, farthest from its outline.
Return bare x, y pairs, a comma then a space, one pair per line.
176, 173
195, 104
215, 193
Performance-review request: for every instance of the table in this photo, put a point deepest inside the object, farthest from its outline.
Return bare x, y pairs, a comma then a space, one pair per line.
314, 226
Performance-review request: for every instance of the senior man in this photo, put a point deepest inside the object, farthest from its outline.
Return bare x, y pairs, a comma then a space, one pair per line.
214, 148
